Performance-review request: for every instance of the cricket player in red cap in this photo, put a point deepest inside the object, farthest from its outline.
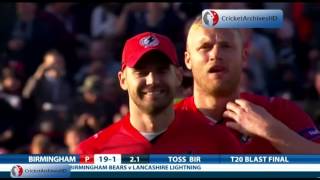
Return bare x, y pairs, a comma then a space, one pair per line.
151, 76
274, 125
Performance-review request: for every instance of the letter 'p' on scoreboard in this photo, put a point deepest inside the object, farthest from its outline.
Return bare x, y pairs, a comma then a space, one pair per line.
87, 159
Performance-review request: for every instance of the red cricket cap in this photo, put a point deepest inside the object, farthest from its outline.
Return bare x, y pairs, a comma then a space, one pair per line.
143, 43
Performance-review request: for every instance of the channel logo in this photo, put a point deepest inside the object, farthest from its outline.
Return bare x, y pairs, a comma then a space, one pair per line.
242, 18
210, 18
40, 171
16, 171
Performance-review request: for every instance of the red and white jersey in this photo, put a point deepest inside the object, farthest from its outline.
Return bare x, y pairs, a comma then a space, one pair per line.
183, 136
283, 110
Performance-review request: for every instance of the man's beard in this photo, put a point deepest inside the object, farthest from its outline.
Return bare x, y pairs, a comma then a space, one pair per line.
225, 88
153, 107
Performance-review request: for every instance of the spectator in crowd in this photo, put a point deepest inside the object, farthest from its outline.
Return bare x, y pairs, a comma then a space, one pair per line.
90, 101
289, 88
304, 29
11, 88
41, 145
187, 10
49, 89
101, 61
123, 110
163, 18
95, 68
29, 37
60, 21
103, 19
113, 97
12, 110
88, 122
73, 136
261, 60
287, 65
155, 17
284, 46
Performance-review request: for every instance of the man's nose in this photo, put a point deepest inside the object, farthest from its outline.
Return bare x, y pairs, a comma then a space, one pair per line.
215, 53
152, 78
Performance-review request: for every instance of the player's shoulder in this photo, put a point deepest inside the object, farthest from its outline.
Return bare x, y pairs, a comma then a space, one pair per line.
284, 110
184, 104
269, 102
188, 111
256, 99
91, 145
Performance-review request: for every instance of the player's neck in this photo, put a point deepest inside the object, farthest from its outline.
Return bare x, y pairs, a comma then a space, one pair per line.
147, 123
212, 106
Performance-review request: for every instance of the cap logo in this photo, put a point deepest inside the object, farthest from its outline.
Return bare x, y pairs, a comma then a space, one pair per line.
149, 41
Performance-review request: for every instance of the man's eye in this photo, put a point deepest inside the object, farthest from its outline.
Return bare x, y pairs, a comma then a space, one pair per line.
205, 46
141, 73
225, 45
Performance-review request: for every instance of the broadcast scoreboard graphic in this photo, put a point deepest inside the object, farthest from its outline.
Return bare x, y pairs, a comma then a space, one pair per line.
159, 165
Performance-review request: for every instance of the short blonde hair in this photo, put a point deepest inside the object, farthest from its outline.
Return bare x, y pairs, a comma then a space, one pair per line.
197, 22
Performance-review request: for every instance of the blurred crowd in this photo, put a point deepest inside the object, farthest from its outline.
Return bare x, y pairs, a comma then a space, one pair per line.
59, 64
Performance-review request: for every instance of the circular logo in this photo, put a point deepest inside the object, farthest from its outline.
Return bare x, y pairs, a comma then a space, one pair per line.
149, 41
16, 171
210, 18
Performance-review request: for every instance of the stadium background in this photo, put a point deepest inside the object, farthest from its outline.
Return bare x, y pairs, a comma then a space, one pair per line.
77, 92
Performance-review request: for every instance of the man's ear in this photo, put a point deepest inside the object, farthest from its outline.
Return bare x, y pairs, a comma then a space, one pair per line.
187, 59
123, 79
